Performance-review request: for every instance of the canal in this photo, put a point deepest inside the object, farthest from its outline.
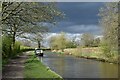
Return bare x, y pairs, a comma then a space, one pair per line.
71, 67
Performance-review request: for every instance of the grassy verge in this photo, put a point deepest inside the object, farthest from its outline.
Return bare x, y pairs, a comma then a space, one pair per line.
35, 69
91, 53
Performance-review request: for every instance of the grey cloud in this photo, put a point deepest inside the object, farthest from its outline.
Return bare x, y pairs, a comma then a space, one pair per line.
81, 17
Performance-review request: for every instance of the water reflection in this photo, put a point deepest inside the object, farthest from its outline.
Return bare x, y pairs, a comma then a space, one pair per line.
108, 70
72, 67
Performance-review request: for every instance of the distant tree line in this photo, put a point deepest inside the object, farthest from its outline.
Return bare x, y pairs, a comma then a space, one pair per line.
88, 40
60, 41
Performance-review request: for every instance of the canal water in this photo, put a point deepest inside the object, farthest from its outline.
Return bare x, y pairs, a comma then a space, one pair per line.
72, 67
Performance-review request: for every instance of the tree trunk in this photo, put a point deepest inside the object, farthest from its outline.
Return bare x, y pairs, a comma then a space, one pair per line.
14, 33
39, 44
13, 38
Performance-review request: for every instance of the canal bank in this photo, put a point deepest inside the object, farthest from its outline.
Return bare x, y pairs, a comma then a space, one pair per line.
34, 68
69, 66
90, 53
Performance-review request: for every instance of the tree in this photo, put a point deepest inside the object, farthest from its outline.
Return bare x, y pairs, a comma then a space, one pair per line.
110, 24
71, 44
96, 42
87, 39
58, 42
26, 43
62, 41
24, 17
36, 37
53, 43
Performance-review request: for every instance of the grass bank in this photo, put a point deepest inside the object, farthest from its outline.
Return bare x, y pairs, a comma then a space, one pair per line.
36, 69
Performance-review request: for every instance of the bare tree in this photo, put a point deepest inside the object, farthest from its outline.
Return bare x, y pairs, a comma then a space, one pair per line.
87, 39
109, 22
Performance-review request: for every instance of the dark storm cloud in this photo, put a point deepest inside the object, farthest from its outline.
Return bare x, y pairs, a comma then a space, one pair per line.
78, 14
82, 13
90, 28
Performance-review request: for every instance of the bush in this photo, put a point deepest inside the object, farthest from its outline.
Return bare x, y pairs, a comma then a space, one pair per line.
6, 47
16, 49
25, 48
11, 51
107, 50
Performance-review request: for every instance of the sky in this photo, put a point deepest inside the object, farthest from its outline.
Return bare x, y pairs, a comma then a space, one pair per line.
80, 17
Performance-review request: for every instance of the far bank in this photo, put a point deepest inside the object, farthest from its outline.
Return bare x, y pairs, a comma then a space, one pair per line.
94, 53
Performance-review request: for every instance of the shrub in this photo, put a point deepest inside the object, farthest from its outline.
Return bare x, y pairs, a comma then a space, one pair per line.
11, 51
6, 47
16, 49
107, 50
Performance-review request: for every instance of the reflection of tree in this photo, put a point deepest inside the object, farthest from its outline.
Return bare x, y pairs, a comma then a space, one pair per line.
60, 62
108, 70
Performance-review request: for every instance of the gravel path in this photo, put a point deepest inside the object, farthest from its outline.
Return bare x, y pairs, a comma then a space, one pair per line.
15, 68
